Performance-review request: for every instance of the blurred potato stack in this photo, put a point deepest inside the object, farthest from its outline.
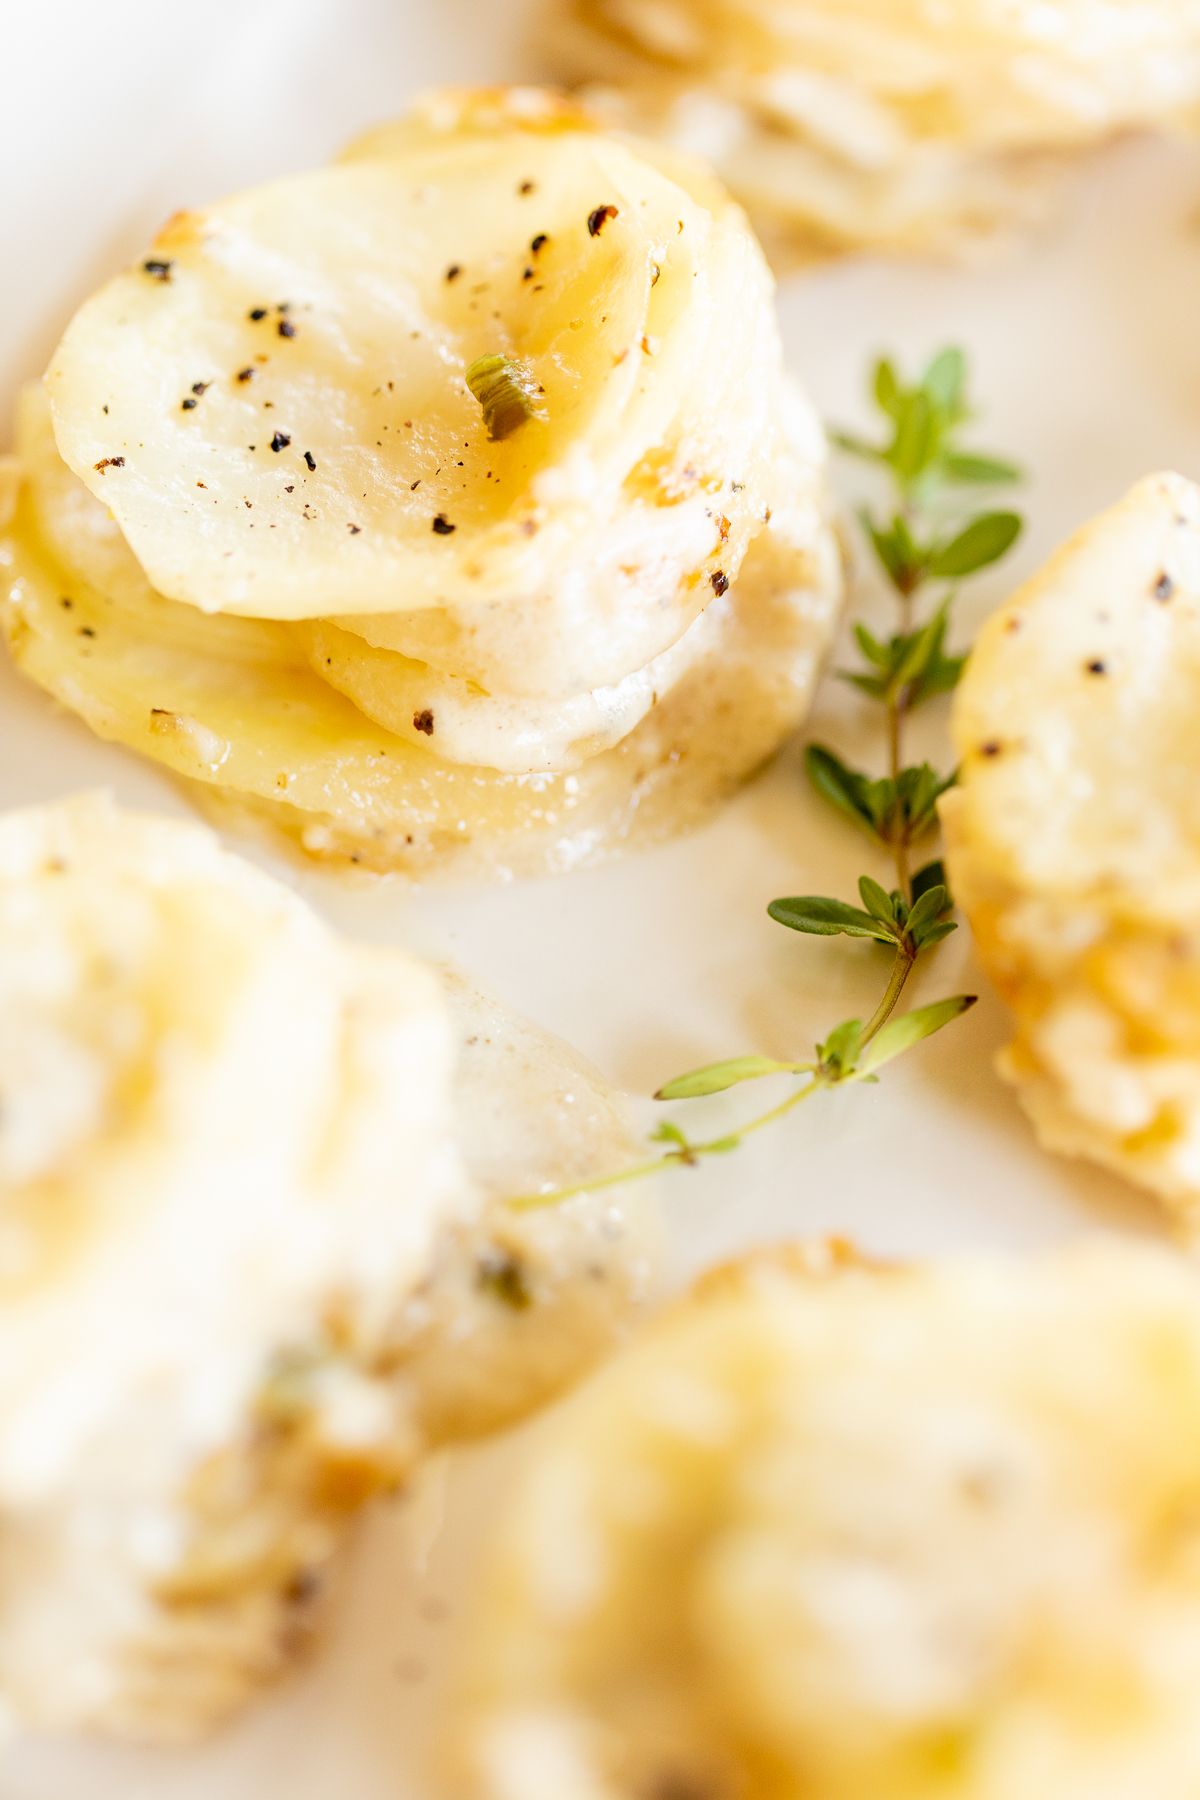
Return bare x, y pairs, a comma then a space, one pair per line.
902, 125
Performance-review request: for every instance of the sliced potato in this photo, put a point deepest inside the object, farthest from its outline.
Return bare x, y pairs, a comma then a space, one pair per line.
237, 708
257, 1257
180, 404
894, 124
1074, 838
836, 1531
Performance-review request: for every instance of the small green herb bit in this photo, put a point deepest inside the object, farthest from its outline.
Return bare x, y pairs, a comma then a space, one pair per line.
924, 536
507, 393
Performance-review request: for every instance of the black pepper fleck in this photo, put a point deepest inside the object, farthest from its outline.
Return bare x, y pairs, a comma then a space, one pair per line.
453, 272
189, 404
310, 460
1097, 666
1164, 587
598, 219
720, 582
280, 441
256, 313
246, 374
991, 748
86, 631
286, 328
423, 721
442, 525
539, 242
503, 1277
304, 1586
527, 187
354, 530
157, 270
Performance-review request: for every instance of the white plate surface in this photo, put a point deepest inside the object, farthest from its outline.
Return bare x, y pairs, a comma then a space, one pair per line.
1087, 365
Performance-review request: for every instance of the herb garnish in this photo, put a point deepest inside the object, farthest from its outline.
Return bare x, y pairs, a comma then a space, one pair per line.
924, 539
507, 392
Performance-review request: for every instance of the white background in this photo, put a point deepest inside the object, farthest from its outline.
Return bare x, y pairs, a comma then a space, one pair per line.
1087, 366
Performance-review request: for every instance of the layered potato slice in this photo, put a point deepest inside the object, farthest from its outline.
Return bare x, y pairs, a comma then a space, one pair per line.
851, 1533
444, 506
1073, 840
256, 1257
905, 125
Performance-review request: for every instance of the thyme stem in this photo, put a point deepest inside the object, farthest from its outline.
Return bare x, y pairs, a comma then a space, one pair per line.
686, 1154
903, 964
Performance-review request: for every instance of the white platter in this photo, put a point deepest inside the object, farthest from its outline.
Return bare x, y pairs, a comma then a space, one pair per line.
1087, 365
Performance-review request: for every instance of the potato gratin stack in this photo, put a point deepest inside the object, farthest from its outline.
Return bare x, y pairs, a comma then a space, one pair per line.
901, 124
254, 1257
925, 1534
1073, 839
447, 503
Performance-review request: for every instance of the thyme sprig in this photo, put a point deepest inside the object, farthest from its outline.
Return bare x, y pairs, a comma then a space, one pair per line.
926, 539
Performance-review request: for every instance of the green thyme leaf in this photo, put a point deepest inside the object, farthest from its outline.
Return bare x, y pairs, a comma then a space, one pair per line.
934, 934
667, 1133
843, 787
885, 385
716, 1078
900, 1034
916, 440
912, 665
940, 676
985, 540
822, 917
966, 469
890, 548
926, 918
507, 392
873, 649
918, 790
920, 651
856, 446
839, 1053
944, 385
933, 874
879, 903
